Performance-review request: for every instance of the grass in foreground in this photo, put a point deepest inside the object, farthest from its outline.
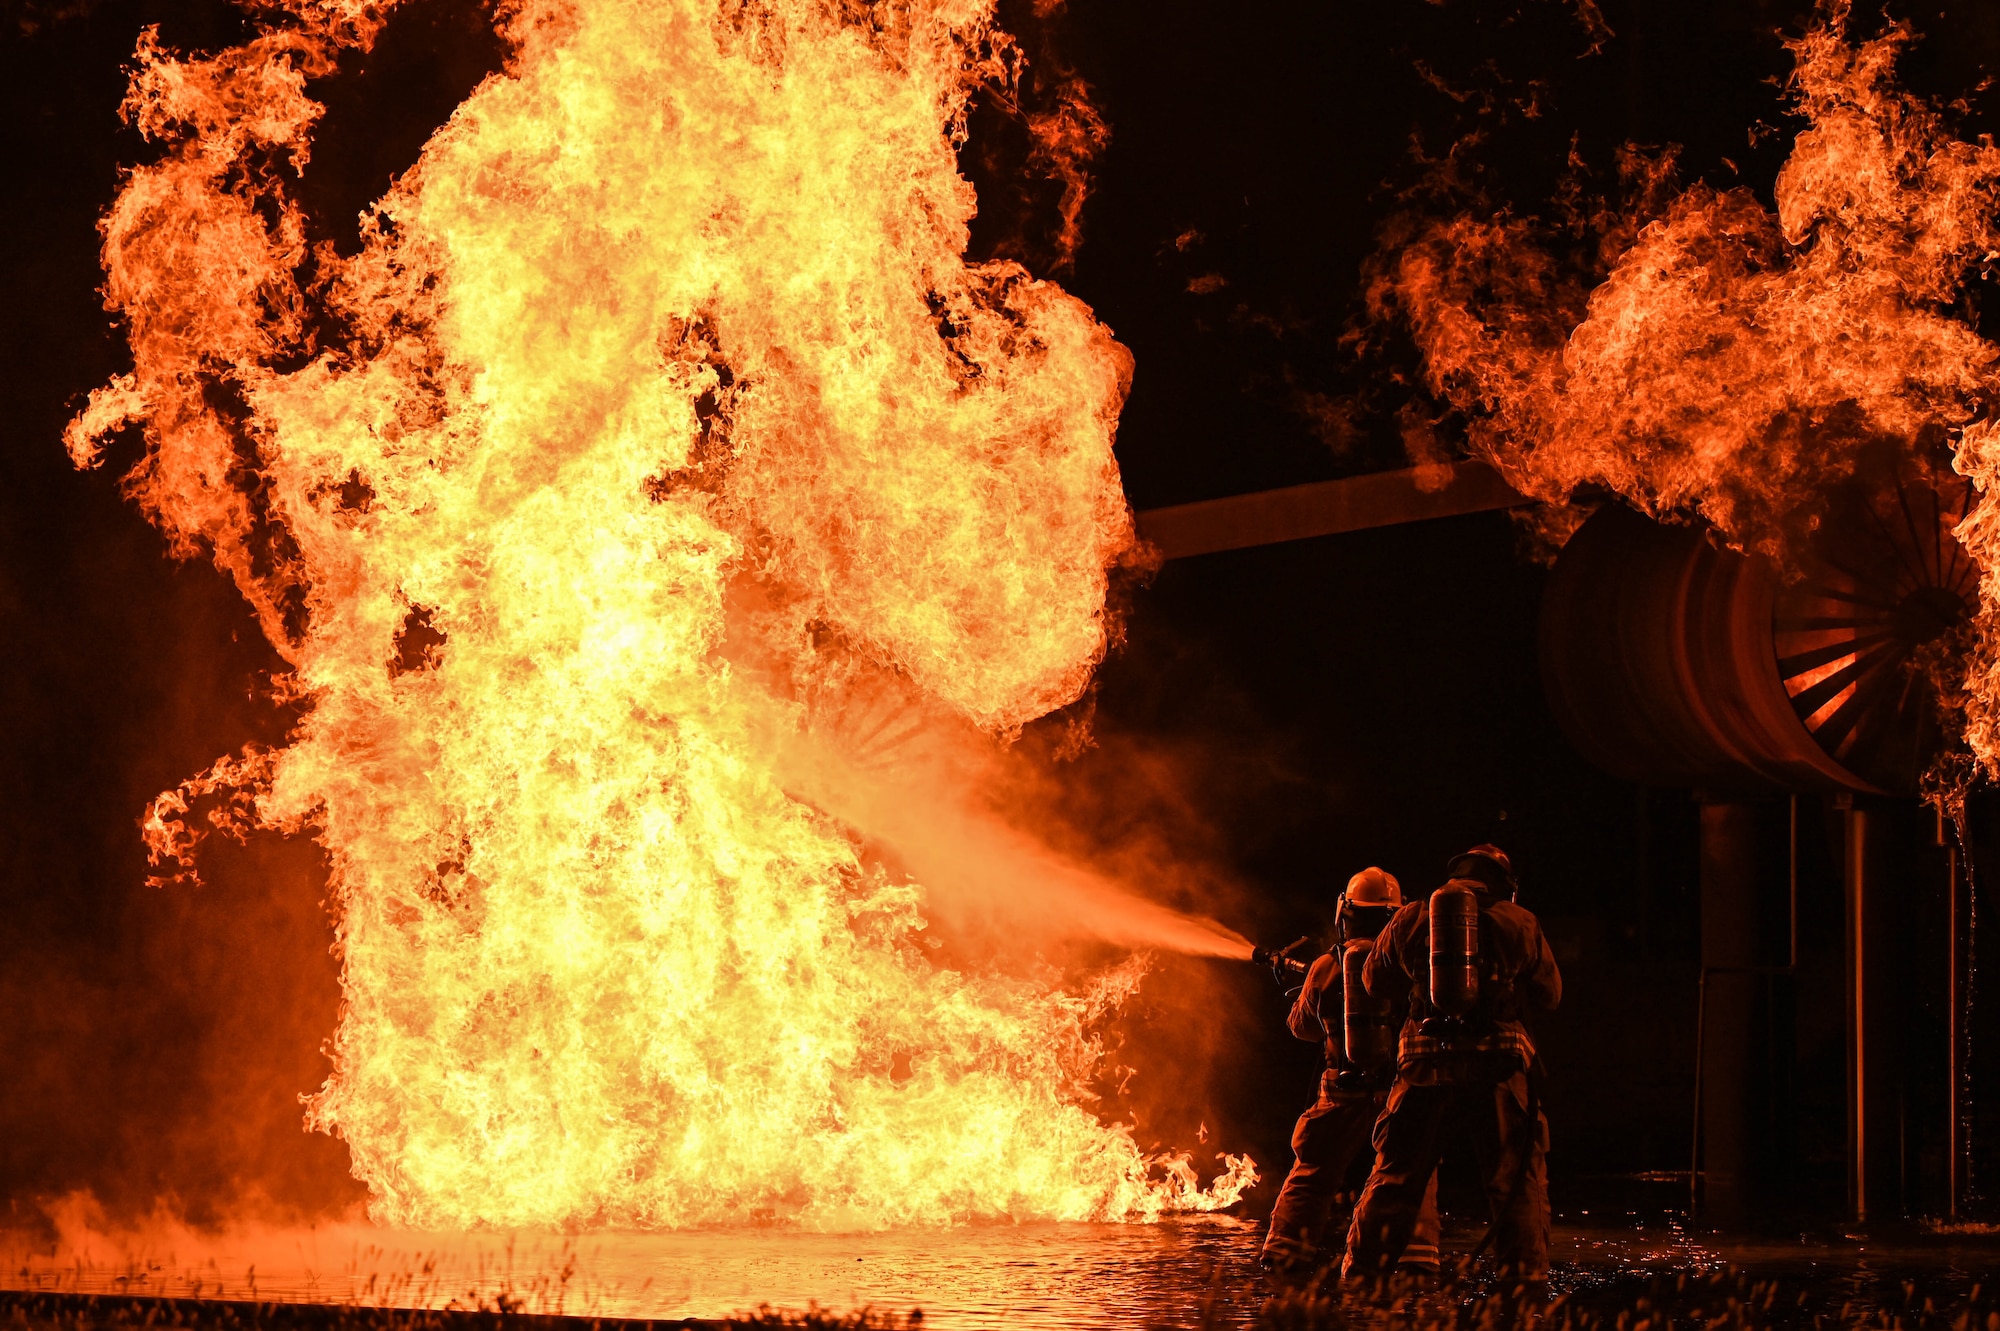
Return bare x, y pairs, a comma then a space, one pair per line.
1722, 1299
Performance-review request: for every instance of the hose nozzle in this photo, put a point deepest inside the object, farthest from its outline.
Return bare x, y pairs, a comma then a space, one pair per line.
1281, 962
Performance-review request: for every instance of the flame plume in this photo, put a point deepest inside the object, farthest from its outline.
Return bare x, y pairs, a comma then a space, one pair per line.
658, 415
1734, 360
1738, 362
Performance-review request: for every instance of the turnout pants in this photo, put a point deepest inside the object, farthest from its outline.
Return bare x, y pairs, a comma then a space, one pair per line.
1409, 1139
1326, 1140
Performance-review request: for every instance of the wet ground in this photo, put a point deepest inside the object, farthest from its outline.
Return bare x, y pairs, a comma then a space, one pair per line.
1178, 1273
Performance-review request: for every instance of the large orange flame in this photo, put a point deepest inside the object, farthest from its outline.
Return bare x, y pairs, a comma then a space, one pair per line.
1733, 361
658, 420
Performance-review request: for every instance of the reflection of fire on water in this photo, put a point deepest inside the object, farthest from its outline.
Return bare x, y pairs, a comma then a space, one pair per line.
1025, 1276
657, 409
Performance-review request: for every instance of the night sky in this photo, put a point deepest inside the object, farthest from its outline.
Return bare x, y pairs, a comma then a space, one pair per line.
1303, 710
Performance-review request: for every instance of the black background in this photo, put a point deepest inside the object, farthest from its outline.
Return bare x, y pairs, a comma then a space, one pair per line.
1370, 698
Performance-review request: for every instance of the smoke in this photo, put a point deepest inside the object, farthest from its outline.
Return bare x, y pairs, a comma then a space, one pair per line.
155, 1044
169, 1061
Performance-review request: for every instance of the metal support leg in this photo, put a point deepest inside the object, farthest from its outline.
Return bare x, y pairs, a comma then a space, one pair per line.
1730, 988
1954, 1018
1856, 875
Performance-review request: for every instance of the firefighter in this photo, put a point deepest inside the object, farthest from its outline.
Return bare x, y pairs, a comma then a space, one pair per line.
1335, 1127
1466, 1068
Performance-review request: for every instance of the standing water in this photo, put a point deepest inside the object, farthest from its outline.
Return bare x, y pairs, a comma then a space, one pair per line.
1185, 1272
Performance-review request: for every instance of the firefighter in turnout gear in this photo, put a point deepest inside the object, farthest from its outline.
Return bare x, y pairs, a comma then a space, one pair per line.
1358, 1037
1470, 964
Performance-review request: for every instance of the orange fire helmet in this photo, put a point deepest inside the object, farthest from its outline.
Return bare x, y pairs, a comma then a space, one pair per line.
1373, 887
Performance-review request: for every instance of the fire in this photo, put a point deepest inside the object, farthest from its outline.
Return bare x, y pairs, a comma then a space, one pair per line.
1734, 359
657, 429
1717, 358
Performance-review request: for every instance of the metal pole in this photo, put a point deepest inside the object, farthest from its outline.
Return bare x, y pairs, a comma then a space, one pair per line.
1955, 963
1694, 1144
1645, 836
1857, 1037
1792, 882
1733, 976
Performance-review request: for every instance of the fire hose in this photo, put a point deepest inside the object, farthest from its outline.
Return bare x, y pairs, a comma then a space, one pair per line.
1282, 965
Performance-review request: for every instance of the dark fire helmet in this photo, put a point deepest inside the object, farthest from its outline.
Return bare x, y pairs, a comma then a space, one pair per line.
1486, 863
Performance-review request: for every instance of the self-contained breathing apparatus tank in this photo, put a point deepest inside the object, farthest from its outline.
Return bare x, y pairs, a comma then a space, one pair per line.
1454, 929
1369, 1024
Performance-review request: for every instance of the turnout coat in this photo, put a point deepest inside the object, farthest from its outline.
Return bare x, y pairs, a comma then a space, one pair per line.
1517, 975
